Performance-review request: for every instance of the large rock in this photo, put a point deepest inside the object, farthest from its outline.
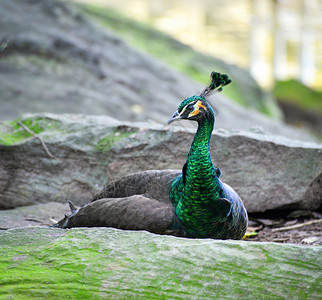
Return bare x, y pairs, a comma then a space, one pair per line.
69, 65
268, 172
108, 263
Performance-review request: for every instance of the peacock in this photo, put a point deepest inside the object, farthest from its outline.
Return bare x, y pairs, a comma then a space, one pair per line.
191, 203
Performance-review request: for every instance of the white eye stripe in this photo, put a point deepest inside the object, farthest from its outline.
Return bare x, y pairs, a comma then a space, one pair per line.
184, 109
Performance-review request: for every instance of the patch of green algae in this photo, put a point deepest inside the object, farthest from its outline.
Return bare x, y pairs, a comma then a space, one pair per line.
41, 270
106, 143
44, 269
107, 263
295, 92
11, 132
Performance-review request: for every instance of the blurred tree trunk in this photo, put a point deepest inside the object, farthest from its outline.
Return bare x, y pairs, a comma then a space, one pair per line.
279, 53
307, 43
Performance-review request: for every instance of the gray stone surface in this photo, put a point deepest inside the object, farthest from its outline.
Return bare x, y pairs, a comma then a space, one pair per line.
113, 264
45, 214
268, 172
53, 59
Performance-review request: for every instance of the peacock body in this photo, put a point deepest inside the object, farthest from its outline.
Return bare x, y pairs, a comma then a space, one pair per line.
192, 203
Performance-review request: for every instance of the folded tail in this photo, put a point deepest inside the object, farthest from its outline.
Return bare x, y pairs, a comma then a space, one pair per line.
63, 223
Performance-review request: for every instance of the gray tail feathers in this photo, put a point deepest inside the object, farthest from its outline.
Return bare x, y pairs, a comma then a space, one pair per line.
73, 207
64, 222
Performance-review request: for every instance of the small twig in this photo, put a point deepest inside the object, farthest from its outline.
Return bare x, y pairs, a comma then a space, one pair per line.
53, 220
297, 225
38, 137
280, 240
33, 220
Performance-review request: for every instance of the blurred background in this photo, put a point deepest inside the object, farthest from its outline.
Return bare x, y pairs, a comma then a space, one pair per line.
273, 39
278, 41
112, 57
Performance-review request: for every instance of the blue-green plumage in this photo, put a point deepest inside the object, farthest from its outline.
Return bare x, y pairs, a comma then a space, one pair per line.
191, 203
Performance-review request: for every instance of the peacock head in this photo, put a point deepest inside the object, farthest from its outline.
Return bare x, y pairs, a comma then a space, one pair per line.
196, 108
193, 108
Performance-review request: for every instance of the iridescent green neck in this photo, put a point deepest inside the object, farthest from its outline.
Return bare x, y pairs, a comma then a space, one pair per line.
195, 198
200, 179
199, 157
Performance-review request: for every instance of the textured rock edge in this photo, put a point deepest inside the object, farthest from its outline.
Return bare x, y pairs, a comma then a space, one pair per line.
39, 262
268, 172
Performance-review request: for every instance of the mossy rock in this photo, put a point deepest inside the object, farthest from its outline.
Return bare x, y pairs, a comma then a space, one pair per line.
109, 263
88, 152
115, 137
295, 92
21, 129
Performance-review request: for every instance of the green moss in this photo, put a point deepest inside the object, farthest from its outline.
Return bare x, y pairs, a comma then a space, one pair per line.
46, 63
11, 132
106, 143
293, 91
96, 263
26, 278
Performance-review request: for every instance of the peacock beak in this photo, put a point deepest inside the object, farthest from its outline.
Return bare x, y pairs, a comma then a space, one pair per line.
176, 116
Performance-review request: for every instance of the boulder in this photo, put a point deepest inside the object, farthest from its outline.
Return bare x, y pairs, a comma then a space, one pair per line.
70, 65
109, 263
268, 172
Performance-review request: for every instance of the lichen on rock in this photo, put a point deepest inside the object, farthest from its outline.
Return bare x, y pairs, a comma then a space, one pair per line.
105, 262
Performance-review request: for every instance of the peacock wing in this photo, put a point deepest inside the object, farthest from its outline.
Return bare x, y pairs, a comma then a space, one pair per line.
222, 208
135, 212
153, 184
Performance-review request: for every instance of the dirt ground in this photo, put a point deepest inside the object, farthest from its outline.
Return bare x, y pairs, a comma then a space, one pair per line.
298, 227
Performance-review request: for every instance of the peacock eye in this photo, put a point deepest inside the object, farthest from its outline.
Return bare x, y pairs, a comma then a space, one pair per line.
190, 108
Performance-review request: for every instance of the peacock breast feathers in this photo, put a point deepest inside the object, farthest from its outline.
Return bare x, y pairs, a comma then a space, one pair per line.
208, 209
